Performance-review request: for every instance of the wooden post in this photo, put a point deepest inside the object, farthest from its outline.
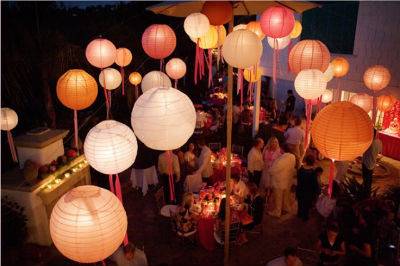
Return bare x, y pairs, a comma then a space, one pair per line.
228, 155
256, 108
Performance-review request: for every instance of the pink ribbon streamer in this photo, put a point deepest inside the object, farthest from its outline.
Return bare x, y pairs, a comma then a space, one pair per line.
171, 176
161, 64
136, 92
331, 174
274, 60
118, 192
76, 136
105, 95
199, 63
308, 122
12, 146
374, 109
209, 64
109, 99
123, 80
239, 87
176, 84
111, 182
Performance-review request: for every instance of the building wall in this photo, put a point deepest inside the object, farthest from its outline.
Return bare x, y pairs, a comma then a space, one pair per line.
377, 41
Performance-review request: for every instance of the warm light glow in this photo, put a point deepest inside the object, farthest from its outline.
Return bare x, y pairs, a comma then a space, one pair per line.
111, 78
158, 41
250, 75
135, 78
296, 30
362, 100
209, 40
385, 102
155, 79
124, 57
376, 77
9, 119
221, 35
175, 68
327, 96
196, 25
277, 22
101, 53
255, 27
310, 83
340, 66
328, 74
309, 54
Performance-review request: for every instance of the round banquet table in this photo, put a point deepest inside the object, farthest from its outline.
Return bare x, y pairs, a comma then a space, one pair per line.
143, 178
205, 229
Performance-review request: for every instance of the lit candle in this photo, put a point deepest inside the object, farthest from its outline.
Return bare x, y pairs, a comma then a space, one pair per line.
67, 175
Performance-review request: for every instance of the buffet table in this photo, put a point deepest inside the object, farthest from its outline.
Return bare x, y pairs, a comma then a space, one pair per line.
391, 145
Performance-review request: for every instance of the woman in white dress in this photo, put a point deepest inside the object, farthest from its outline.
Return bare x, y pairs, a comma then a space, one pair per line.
270, 153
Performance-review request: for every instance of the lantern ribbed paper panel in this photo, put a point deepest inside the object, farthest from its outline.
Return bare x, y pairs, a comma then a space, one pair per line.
218, 12
327, 96
110, 147
163, 118
277, 22
209, 40
101, 53
221, 35
376, 77
342, 131
135, 78
158, 41
155, 79
242, 49
240, 27
310, 83
88, 224
76, 89
328, 74
282, 42
9, 119
385, 102
296, 30
124, 57
175, 68
250, 75
255, 27
196, 25
111, 77
309, 54
340, 67
362, 100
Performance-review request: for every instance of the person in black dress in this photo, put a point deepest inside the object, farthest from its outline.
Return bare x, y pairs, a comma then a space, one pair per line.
289, 105
255, 205
331, 246
307, 189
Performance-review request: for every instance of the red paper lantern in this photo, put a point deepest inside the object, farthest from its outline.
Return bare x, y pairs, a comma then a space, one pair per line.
277, 22
309, 54
158, 41
218, 12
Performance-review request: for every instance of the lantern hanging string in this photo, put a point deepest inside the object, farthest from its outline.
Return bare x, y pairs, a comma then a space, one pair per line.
331, 174
308, 122
105, 94
136, 92
170, 176
109, 101
176, 84
123, 80
12, 146
76, 137
239, 86
209, 64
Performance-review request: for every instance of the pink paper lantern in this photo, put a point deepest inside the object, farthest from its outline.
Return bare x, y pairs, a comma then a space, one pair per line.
175, 68
277, 22
362, 100
158, 41
101, 53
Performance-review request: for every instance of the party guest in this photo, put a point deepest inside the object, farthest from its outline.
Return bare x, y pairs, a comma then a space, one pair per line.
255, 205
190, 157
294, 140
331, 246
270, 153
239, 188
129, 255
289, 259
255, 162
369, 159
165, 160
290, 104
204, 161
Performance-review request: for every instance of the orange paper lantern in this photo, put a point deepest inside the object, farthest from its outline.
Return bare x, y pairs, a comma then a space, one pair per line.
296, 30
362, 100
340, 66
277, 22
385, 102
158, 41
76, 89
135, 78
218, 12
376, 77
255, 27
221, 35
309, 54
124, 57
101, 53
342, 131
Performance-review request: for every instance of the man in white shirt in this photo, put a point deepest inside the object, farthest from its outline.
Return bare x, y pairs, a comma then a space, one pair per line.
129, 256
369, 159
168, 161
255, 162
282, 173
239, 188
289, 259
295, 139
204, 161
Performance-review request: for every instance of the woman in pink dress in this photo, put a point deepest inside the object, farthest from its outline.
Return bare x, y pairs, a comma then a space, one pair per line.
270, 153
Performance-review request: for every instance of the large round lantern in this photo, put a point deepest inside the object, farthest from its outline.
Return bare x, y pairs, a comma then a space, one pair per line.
327, 96
385, 102
362, 100
239, 43
175, 69
252, 75
155, 79
196, 25
221, 35
309, 54
101, 53
158, 41
110, 147
9, 120
328, 74
255, 27
278, 43
163, 118
110, 78
88, 224
310, 84
277, 22
209, 40
376, 77
123, 57
340, 66
218, 12
135, 78
296, 30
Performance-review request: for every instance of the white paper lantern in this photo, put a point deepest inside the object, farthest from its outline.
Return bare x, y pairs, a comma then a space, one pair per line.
110, 147
175, 68
196, 25
282, 42
155, 79
327, 96
362, 100
242, 49
88, 224
240, 27
111, 77
310, 83
163, 118
328, 74
9, 119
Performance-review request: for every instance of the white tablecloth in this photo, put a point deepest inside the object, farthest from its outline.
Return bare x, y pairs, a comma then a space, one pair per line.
144, 177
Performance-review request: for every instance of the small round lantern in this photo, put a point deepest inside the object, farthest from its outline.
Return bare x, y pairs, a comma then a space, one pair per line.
155, 79
175, 69
110, 78
296, 30
196, 25
240, 27
9, 120
123, 57
277, 22
163, 118
376, 77
327, 96
135, 78
255, 27
250, 75
101, 53
218, 12
310, 84
88, 224
278, 43
309, 54
362, 100
385, 102
328, 74
340, 67
158, 41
